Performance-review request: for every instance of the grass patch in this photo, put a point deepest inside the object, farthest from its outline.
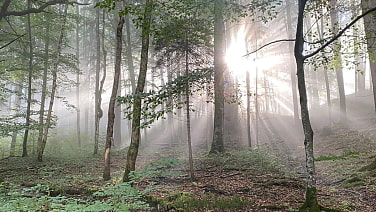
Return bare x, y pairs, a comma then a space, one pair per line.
345, 155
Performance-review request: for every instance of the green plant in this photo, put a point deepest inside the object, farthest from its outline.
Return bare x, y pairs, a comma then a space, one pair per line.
338, 157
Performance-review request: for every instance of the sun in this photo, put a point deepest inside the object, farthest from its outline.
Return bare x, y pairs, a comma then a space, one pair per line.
236, 62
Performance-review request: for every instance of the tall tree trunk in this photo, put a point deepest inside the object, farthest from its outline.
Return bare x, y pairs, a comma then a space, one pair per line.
78, 110
292, 67
111, 107
129, 54
17, 104
44, 85
189, 140
320, 30
247, 82
29, 85
310, 203
338, 59
42, 145
219, 69
97, 75
135, 137
370, 28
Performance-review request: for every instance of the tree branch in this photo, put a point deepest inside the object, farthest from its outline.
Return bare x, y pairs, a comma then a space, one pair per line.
339, 34
276, 41
5, 13
12, 41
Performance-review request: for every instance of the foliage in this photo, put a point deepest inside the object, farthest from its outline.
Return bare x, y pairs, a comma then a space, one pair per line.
151, 111
157, 169
338, 157
122, 197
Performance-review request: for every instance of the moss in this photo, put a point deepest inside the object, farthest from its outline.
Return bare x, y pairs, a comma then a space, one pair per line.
369, 167
183, 201
352, 182
310, 203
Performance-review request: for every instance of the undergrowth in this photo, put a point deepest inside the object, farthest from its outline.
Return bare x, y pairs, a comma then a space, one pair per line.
345, 155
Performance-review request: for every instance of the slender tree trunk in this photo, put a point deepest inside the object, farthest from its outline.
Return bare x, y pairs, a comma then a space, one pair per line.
337, 58
17, 104
370, 28
78, 110
320, 29
129, 54
310, 203
97, 77
219, 68
189, 140
29, 85
292, 67
54, 86
111, 107
249, 135
135, 137
44, 85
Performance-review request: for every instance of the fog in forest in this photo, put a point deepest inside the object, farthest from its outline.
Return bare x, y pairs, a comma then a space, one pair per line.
285, 81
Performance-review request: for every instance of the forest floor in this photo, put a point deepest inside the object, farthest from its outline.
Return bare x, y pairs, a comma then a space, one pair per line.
268, 179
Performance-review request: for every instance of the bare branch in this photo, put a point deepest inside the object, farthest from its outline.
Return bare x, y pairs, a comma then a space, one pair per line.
5, 13
12, 41
339, 34
273, 42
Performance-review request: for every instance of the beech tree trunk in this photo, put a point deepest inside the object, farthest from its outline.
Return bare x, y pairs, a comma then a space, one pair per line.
370, 28
44, 85
310, 203
97, 76
78, 110
338, 59
219, 68
111, 107
42, 144
293, 69
29, 85
135, 137
16, 106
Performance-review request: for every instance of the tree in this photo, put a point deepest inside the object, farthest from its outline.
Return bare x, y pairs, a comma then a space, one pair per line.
338, 61
135, 136
311, 203
29, 85
370, 28
42, 144
111, 107
219, 68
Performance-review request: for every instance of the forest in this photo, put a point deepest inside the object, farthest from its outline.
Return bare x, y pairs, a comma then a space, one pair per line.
188, 105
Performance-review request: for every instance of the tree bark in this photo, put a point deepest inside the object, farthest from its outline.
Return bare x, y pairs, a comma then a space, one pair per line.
44, 85
219, 68
310, 203
338, 59
292, 67
135, 137
97, 107
42, 145
111, 107
17, 105
29, 85
189, 140
78, 110
370, 28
